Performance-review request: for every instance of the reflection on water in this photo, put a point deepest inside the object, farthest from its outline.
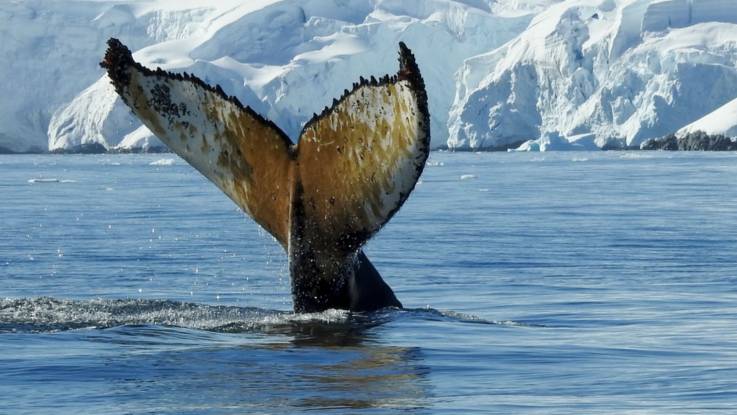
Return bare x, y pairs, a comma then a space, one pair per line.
245, 359
365, 374
378, 376
317, 366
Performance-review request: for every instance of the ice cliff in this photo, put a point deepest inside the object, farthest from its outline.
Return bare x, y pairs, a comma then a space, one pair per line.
50, 50
552, 74
285, 58
613, 73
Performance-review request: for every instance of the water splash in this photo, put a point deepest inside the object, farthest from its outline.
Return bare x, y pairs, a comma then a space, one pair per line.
454, 316
46, 314
50, 314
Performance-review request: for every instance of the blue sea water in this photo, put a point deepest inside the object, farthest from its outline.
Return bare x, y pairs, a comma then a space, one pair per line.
557, 283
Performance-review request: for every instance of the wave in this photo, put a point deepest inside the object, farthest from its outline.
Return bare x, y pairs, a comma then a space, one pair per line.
50, 180
46, 314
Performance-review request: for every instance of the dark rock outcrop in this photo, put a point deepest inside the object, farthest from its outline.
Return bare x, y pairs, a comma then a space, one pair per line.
91, 148
696, 141
141, 150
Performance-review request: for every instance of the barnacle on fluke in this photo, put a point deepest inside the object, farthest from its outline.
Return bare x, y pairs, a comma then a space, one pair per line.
354, 166
118, 61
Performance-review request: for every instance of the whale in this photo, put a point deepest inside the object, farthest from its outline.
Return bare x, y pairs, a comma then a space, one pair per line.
323, 197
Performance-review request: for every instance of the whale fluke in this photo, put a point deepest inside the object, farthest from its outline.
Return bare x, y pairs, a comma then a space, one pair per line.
323, 198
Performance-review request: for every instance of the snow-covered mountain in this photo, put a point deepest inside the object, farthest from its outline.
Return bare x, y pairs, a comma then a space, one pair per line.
285, 58
594, 72
50, 50
608, 73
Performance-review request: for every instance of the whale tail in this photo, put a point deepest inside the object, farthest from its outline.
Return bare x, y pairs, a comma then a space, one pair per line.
354, 166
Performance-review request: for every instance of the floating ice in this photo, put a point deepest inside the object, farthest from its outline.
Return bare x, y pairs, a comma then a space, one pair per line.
162, 162
635, 156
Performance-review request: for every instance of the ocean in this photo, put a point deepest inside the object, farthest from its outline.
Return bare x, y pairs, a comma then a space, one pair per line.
535, 283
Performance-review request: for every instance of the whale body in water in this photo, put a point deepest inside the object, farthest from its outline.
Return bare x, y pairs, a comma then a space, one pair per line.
321, 198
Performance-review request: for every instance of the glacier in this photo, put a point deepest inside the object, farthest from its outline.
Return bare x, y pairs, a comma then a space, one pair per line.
50, 51
287, 59
530, 74
613, 72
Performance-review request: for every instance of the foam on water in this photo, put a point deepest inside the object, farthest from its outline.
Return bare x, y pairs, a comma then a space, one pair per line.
46, 314
51, 314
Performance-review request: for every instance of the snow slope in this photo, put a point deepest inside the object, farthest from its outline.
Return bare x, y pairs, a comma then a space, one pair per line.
722, 121
288, 58
619, 71
50, 50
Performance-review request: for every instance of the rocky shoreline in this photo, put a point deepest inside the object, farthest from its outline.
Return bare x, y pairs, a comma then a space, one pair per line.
696, 141
96, 148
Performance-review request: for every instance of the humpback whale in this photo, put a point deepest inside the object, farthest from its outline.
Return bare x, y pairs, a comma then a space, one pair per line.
321, 198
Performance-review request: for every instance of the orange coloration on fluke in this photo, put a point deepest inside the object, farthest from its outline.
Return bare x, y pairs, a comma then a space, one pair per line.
323, 198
